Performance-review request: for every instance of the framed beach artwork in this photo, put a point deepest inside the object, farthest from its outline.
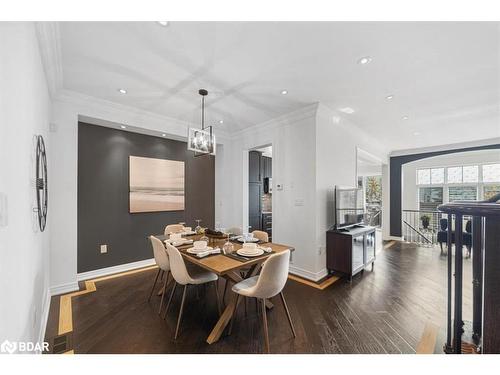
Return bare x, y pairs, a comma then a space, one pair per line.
155, 185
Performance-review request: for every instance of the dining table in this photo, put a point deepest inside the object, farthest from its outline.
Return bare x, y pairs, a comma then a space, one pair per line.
228, 266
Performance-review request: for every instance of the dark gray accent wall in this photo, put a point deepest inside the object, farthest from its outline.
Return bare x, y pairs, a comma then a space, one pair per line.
103, 195
396, 164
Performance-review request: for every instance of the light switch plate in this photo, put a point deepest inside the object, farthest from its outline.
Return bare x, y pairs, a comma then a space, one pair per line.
4, 210
104, 249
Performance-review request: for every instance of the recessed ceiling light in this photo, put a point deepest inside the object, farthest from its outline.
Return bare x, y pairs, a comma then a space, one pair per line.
162, 23
416, 133
405, 117
221, 121
163, 135
122, 91
347, 110
389, 97
364, 60
284, 92
123, 126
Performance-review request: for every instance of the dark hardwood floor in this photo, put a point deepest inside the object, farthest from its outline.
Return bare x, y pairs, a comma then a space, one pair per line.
384, 311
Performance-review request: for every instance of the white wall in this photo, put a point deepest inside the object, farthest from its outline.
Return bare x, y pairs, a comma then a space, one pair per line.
293, 141
409, 187
336, 141
24, 251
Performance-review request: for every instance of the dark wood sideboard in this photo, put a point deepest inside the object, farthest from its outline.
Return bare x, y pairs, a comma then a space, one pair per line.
349, 251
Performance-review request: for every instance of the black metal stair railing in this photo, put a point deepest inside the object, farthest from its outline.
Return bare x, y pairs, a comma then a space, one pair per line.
485, 280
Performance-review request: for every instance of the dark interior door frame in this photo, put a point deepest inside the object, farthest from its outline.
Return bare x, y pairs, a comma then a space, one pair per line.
396, 174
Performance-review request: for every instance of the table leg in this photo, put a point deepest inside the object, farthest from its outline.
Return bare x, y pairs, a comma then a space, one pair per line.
227, 314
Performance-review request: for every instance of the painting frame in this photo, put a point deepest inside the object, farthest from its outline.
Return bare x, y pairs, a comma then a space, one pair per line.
156, 185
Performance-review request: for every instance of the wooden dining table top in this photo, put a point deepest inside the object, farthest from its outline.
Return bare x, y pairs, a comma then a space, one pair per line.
221, 264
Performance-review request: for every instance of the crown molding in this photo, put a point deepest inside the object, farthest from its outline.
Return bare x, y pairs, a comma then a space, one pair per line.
135, 116
446, 147
302, 113
49, 41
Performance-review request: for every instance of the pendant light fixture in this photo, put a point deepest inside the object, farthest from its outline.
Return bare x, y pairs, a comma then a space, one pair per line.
202, 141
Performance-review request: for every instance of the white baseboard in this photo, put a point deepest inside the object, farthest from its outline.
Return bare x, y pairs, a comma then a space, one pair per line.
115, 269
64, 288
44, 317
313, 276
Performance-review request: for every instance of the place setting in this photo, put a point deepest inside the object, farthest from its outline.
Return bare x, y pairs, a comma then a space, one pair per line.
201, 249
176, 239
249, 251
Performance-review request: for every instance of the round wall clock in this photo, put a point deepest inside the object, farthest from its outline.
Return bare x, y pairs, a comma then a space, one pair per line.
41, 186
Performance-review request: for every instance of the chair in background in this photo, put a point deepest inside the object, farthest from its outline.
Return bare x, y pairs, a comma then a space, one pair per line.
268, 284
235, 231
442, 235
162, 261
173, 228
262, 236
183, 276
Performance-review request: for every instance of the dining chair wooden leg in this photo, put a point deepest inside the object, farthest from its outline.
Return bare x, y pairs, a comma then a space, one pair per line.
163, 293
170, 299
233, 315
180, 312
224, 294
264, 324
288, 314
154, 284
217, 296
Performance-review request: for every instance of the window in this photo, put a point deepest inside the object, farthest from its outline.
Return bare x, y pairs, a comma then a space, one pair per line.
430, 198
471, 173
424, 176
430, 176
490, 190
454, 175
491, 173
437, 176
462, 193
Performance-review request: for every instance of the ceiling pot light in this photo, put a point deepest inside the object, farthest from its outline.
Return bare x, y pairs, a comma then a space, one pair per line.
123, 126
405, 117
347, 110
162, 23
284, 92
365, 60
389, 97
221, 121
163, 135
122, 91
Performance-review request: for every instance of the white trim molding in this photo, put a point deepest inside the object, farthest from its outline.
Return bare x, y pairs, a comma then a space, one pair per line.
453, 146
44, 316
115, 269
313, 276
49, 41
64, 288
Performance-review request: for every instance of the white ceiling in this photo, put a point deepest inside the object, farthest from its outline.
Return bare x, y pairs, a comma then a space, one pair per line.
444, 76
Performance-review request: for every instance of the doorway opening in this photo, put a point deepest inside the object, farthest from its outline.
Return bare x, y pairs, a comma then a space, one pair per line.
260, 190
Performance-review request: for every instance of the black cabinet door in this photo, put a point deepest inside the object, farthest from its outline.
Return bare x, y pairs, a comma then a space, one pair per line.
254, 199
254, 167
254, 222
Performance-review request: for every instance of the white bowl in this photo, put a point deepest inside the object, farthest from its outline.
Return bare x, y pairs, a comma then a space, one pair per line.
198, 245
175, 236
250, 246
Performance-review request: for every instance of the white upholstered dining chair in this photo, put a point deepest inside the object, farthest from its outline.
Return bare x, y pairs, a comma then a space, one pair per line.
261, 236
269, 283
173, 228
183, 275
162, 261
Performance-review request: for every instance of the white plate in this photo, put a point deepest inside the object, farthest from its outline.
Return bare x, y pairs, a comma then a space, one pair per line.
248, 240
256, 253
192, 250
188, 233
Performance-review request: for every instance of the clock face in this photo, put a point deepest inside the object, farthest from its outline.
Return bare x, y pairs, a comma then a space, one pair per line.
41, 183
